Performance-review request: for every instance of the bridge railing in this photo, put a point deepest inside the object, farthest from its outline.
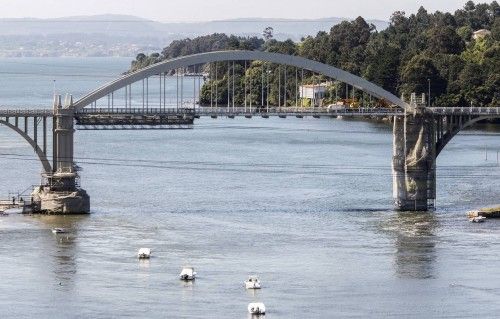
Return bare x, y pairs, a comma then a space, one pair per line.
138, 111
337, 110
241, 110
26, 112
466, 110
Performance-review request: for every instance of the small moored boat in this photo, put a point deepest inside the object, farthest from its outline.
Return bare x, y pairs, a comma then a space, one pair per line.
478, 219
257, 308
252, 283
187, 274
144, 253
59, 230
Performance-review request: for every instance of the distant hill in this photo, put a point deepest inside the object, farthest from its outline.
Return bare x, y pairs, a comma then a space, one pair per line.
123, 25
142, 33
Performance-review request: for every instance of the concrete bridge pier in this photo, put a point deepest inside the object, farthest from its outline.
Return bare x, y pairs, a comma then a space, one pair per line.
60, 193
414, 161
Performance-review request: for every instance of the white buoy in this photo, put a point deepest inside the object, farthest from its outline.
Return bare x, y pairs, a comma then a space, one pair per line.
187, 274
257, 308
252, 283
144, 253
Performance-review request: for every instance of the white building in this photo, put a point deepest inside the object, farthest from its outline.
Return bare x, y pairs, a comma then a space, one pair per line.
479, 34
313, 91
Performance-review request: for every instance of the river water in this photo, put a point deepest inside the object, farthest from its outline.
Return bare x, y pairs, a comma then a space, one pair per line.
303, 203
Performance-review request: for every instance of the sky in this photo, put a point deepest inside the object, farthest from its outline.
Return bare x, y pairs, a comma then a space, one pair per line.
208, 10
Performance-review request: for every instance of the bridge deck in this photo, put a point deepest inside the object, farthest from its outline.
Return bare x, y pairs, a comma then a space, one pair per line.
26, 112
247, 112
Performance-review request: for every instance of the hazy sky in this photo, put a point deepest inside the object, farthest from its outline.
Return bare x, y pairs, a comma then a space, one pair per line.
196, 10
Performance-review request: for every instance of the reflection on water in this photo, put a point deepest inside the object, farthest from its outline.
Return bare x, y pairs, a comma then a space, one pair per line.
188, 288
144, 263
415, 241
62, 247
253, 293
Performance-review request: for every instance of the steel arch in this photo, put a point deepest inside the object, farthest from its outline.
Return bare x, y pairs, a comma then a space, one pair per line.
219, 56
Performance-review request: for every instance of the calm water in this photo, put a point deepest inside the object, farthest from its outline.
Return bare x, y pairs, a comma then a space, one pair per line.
303, 203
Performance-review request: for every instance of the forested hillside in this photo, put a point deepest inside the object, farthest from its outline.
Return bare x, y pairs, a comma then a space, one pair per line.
415, 49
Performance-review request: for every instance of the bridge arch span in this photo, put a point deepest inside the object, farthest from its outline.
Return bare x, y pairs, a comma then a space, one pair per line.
43, 159
450, 134
219, 56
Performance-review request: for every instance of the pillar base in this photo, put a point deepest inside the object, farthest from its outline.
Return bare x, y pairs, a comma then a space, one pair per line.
409, 205
414, 162
47, 201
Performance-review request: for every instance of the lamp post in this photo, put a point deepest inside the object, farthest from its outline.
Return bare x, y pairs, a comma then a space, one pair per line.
429, 96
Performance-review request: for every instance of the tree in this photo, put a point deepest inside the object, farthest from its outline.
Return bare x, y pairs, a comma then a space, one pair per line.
450, 66
469, 6
268, 33
398, 18
472, 79
465, 32
495, 29
382, 64
475, 51
416, 74
140, 57
445, 40
285, 47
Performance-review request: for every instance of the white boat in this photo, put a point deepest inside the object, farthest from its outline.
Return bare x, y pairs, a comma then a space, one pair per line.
187, 274
478, 219
144, 253
252, 283
257, 308
59, 230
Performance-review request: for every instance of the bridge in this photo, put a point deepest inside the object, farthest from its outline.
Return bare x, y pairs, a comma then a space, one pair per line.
141, 100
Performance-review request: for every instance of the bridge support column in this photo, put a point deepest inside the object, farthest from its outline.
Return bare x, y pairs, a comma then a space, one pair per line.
61, 194
414, 161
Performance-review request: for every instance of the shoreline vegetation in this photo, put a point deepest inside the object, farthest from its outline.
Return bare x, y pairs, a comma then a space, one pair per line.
444, 49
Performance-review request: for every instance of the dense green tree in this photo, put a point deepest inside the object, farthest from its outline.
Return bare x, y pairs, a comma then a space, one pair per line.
465, 33
495, 29
284, 47
416, 75
382, 63
445, 40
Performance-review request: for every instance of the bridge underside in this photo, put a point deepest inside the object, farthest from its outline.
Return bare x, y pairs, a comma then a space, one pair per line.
134, 119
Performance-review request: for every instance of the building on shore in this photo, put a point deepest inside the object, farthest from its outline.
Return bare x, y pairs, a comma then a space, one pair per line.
314, 93
479, 34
